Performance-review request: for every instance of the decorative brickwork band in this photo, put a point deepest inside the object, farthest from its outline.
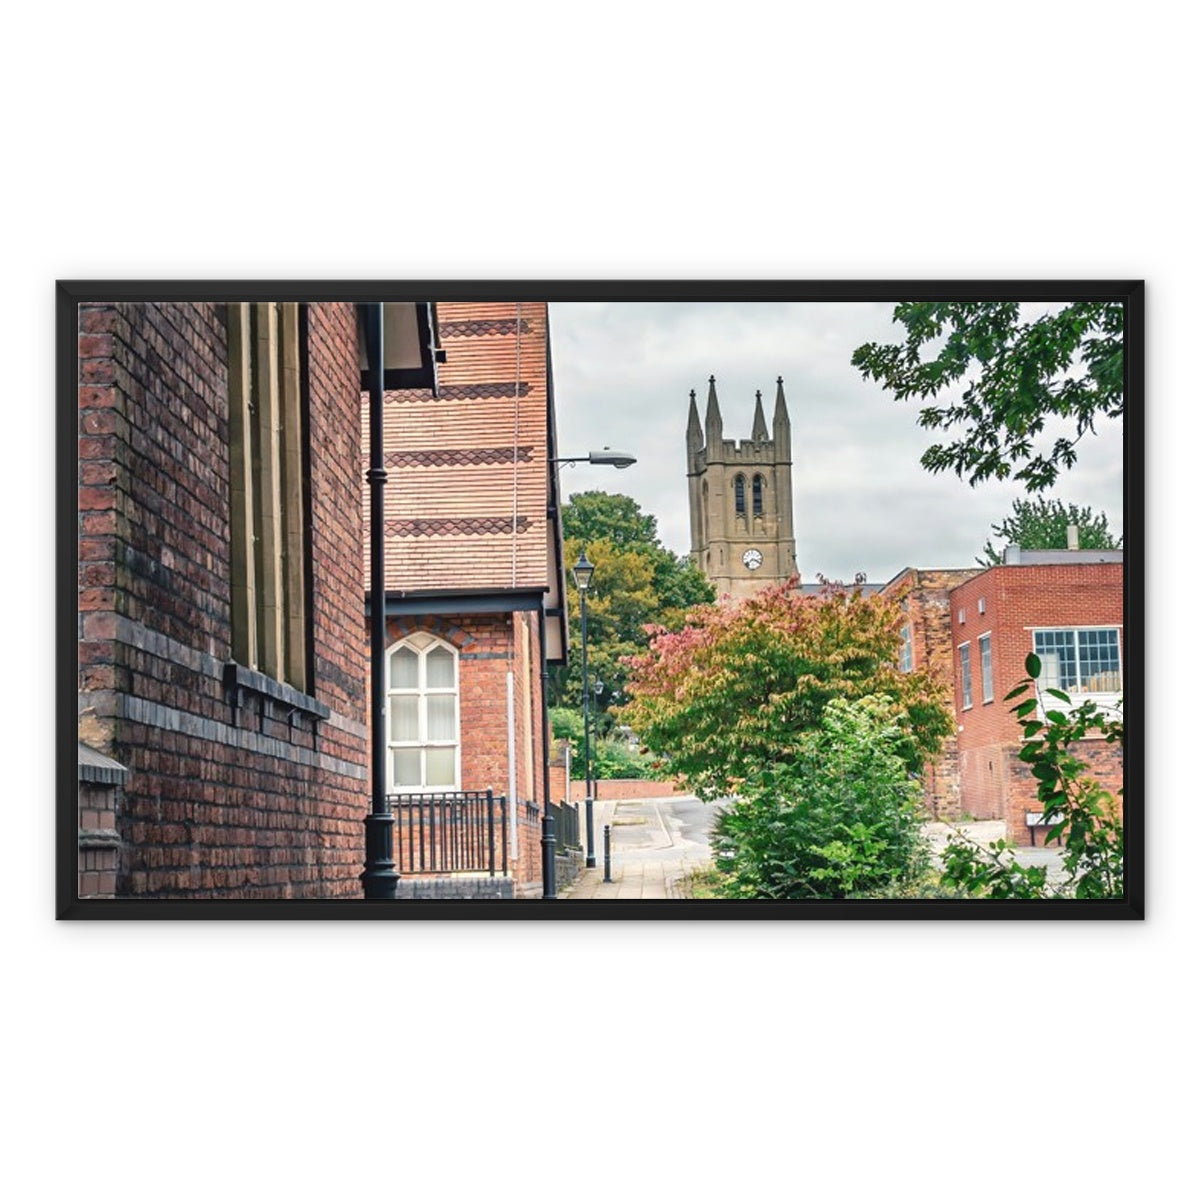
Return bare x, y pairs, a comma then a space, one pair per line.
456, 526
481, 457
456, 391
453, 329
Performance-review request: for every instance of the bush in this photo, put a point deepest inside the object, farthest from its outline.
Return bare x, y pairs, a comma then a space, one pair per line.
840, 819
612, 757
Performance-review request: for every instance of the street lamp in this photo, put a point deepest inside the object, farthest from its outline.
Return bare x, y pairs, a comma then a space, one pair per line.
602, 458
583, 572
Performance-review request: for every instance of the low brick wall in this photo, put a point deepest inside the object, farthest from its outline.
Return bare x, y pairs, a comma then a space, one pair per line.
615, 789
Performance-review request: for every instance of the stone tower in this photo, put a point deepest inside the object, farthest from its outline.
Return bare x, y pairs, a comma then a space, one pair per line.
740, 498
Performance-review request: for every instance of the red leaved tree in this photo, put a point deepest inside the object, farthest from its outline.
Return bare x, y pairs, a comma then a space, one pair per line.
734, 689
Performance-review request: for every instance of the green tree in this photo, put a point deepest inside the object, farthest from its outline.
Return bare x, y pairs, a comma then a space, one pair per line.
638, 582
1042, 525
1012, 378
590, 516
841, 818
737, 686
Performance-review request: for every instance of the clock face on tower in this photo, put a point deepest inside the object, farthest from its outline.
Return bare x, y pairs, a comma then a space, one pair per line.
752, 559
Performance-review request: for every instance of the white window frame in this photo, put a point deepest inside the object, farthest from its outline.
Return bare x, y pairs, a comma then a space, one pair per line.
1102, 699
906, 649
987, 687
964, 676
421, 644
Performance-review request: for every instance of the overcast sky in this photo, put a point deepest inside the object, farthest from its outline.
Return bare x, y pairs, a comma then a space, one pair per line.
863, 502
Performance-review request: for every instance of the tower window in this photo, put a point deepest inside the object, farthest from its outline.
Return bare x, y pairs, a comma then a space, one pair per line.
758, 495
739, 495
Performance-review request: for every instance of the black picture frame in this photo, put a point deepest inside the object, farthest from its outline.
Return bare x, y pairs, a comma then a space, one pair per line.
72, 293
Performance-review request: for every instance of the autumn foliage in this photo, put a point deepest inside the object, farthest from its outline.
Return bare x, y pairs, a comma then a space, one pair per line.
737, 686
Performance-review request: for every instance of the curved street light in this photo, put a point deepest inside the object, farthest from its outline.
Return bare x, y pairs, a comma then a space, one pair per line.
583, 571
602, 458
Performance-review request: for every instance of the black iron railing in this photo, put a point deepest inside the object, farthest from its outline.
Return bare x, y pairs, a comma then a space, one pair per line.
440, 833
566, 825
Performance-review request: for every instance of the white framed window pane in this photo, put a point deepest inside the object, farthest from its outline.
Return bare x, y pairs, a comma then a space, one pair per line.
439, 767
964, 658
442, 725
439, 668
406, 767
405, 719
1056, 649
404, 668
985, 668
1099, 662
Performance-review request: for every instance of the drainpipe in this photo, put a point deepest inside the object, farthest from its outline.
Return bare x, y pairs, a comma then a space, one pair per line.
379, 877
549, 890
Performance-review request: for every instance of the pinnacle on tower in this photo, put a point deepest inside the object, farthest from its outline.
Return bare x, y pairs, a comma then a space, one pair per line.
759, 432
695, 435
713, 427
781, 420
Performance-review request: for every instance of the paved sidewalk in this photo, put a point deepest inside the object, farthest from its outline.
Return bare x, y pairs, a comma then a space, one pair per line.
654, 844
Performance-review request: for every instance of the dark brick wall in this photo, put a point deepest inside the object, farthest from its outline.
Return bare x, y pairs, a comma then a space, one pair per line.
248, 805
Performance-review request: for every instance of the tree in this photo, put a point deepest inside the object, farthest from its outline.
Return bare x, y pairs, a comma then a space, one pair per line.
590, 516
1013, 377
737, 686
637, 582
1042, 525
842, 818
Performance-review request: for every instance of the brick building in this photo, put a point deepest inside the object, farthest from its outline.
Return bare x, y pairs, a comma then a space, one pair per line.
975, 627
927, 644
222, 661
474, 581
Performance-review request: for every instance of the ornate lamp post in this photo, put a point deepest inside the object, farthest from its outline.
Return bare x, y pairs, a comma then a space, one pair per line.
583, 571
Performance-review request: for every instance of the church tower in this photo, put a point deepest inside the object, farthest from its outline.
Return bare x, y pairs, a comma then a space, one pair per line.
740, 498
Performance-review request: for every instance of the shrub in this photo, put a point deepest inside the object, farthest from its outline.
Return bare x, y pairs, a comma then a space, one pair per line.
840, 818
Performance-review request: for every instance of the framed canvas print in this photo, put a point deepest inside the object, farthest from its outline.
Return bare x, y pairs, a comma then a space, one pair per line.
600, 600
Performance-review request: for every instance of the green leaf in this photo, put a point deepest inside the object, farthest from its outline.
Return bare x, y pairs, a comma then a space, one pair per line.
1058, 695
1026, 707
1019, 690
1033, 666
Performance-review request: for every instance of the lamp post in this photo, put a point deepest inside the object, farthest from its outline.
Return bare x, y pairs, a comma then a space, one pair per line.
379, 877
583, 571
600, 458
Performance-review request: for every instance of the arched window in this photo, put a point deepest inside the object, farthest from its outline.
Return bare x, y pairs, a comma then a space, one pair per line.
423, 742
739, 495
758, 495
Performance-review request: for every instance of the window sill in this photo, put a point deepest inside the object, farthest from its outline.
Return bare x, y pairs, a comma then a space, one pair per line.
240, 681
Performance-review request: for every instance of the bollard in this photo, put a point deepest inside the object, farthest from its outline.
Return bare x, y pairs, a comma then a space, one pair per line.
608, 854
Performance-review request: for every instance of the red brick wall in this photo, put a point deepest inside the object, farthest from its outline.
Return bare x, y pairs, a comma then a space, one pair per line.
490, 645
924, 598
995, 783
98, 845
213, 807
613, 789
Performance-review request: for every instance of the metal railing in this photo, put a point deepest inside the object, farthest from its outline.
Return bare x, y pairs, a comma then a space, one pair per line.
566, 825
440, 833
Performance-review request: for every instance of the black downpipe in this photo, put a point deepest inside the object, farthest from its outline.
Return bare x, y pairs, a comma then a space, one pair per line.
549, 888
379, 878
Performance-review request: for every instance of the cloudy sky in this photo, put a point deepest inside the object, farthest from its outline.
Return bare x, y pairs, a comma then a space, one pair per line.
863, 502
